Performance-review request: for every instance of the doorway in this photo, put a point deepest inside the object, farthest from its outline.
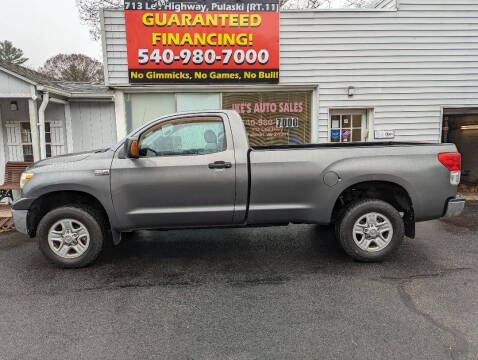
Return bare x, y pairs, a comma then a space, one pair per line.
460, 126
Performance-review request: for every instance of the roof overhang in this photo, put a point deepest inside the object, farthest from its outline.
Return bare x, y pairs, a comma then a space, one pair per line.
70, 95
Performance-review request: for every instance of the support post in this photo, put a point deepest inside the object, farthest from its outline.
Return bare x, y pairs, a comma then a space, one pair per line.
33, 110
41, 125
120, 113
69, 129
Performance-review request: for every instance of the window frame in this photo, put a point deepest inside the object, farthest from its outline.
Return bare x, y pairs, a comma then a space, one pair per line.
179, 120
48, 144
348, 112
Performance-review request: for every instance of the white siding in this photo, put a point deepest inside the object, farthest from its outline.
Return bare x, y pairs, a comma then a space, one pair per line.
55, 115
14, 141
404, 64
93, 125
11, 130
13, 87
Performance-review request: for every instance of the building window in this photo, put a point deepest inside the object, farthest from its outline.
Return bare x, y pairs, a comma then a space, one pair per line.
27, 141
347, 125
195, 102
273, 117
142, 108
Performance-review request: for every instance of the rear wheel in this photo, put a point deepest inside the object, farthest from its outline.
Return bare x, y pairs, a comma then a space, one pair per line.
70, 236
370, 230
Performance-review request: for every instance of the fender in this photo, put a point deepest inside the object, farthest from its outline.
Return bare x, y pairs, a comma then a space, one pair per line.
355, 171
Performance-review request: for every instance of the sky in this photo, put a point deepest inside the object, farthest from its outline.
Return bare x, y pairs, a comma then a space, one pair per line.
45, 28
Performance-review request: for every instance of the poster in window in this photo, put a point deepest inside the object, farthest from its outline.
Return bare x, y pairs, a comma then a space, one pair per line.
346, 135
335, 135
273, 118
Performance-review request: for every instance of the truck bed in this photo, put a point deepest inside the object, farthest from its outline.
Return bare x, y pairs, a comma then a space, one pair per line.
341, 145
307, 181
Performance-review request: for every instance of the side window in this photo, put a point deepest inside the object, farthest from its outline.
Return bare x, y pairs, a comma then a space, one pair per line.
187, 136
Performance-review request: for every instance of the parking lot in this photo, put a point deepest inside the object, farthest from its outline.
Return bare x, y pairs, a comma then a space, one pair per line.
268, 293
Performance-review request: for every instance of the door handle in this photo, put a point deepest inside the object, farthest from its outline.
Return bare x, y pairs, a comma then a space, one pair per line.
220, 165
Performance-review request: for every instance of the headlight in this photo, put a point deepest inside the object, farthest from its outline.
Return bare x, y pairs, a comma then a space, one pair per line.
26, 177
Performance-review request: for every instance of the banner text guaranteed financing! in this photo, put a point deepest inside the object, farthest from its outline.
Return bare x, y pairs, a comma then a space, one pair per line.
196, 44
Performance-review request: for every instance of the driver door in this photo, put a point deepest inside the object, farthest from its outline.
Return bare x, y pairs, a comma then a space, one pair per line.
185, 176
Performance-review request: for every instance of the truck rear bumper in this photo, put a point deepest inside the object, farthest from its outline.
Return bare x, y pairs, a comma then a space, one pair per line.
20, 220
454, 207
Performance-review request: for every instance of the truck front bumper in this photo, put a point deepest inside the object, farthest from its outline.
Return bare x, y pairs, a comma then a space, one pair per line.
20, 220
455, 207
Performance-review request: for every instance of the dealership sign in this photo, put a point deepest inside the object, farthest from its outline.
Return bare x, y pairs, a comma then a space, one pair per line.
273, 117
202, 41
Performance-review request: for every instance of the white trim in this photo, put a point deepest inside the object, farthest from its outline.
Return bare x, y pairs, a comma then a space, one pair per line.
33, 91
41, 124
14, 140
2, 149
33, 112
14, 74
370, 136
120, 115
69, 129
57, 101
104, 47
363, 111
74, 95
442, 116
459, 110
197, 88
17, 96
314, 118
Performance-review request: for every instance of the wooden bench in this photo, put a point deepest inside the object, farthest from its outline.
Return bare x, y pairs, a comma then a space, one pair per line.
13, 172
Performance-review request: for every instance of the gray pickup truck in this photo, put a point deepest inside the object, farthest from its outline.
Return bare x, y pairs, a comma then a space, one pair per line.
196, 169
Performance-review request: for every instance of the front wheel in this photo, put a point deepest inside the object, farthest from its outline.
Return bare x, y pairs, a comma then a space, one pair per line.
71, 237
370, 230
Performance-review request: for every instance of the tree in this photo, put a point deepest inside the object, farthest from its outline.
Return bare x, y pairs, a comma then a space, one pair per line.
324, 4
90, 13
305, 4
90, 9
73, 67
359, 3
11, 54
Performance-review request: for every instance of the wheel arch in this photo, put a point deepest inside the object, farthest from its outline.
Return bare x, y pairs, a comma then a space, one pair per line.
391, 192
51, 200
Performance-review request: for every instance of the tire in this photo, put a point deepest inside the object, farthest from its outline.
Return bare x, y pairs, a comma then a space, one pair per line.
83, 247
356, 230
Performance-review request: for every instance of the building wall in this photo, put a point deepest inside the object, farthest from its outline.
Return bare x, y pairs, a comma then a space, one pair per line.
55, 115
8, 116
93, 125
13, 87
405, 64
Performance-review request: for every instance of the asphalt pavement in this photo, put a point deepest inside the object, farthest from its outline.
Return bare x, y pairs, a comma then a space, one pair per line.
262, 293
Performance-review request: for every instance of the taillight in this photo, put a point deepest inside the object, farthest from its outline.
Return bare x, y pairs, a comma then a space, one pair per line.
452, 161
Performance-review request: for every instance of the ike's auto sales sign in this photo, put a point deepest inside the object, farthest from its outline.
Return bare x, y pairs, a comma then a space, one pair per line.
202, 41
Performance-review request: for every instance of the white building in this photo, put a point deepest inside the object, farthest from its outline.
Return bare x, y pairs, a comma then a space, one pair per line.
71, 117
396, 72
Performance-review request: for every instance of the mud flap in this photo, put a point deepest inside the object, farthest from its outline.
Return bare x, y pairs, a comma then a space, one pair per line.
409, 222
116, 237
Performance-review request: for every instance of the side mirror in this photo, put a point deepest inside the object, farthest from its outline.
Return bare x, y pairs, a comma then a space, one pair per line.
131, 148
